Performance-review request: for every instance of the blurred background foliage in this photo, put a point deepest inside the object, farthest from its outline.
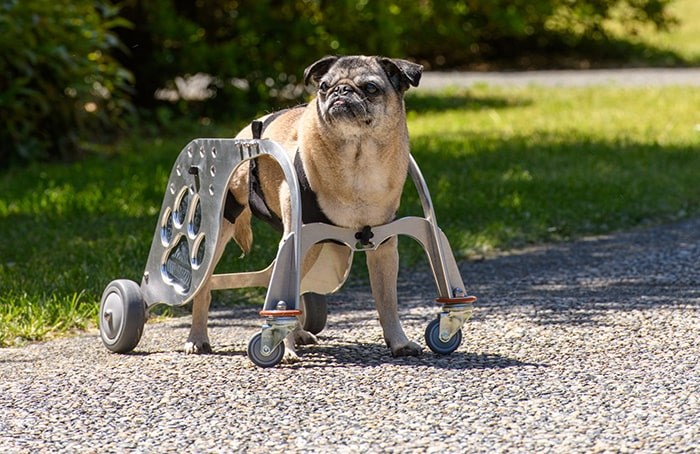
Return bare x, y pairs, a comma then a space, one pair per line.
60, 86
75, 72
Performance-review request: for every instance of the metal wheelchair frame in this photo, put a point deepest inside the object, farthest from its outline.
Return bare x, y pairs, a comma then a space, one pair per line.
182, 251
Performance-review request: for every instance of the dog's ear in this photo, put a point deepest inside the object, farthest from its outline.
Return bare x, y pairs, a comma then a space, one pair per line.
402, 73
317, 70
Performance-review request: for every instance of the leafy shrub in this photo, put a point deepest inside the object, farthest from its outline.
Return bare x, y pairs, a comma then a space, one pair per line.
458, 33
59, 85
256, 49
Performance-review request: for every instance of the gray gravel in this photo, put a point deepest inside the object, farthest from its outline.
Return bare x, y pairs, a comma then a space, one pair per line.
591, 346
640, 77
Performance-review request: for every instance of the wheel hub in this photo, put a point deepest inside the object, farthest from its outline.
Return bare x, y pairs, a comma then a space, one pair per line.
112, 315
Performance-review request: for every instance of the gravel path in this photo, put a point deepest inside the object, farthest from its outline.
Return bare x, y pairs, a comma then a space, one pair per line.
566, 78
591, 346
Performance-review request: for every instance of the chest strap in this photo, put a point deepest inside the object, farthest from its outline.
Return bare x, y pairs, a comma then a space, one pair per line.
310, 209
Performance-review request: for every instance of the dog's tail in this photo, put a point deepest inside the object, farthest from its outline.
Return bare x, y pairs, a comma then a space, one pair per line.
243, 231
237, 211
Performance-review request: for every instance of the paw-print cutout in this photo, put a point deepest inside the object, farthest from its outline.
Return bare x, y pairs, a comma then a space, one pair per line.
181, 235
190, 220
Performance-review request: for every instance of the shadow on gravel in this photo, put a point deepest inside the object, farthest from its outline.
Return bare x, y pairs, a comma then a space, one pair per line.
232, 321
220, 351
229, 353
582, 282
460, 360
138, 353
16, 361
373, 355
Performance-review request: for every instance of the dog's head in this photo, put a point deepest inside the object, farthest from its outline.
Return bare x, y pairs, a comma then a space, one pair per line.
358, 93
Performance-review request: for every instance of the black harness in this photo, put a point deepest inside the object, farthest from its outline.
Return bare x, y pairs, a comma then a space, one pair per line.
310, 209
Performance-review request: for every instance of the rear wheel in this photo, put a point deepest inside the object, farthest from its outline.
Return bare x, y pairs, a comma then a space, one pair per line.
122, 316
314, 312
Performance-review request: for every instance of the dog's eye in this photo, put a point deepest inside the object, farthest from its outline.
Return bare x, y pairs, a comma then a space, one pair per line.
371, 89
324, 86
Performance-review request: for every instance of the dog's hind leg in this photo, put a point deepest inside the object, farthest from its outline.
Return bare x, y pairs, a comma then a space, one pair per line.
198, 339
383, 266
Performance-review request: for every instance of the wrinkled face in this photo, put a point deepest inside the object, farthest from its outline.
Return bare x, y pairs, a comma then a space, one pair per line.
356, 92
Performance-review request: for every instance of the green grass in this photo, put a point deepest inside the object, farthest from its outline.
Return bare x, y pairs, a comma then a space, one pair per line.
686, 38
682, 39
512, 167
24, 318
506, 167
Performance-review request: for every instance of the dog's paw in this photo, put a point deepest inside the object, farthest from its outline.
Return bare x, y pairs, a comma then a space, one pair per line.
290, 352
410, 349
197, 347
302, 337
290, 357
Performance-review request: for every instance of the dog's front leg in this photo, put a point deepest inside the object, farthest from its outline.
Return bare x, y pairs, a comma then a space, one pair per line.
383, 266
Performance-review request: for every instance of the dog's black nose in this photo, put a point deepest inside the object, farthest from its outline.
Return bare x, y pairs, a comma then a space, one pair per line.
343, 89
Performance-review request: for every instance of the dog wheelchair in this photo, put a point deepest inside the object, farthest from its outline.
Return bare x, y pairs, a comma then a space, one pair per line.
181, 257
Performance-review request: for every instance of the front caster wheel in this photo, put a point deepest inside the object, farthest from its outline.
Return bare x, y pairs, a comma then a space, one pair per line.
432, 338
122, 316
255, 353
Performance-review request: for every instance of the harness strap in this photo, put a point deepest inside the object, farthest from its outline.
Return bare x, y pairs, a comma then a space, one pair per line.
310, 209
256, 199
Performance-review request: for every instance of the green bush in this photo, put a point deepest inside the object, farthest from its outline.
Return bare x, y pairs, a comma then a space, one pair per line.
59, 86
65, 80
255, 49
458, 33
267, 43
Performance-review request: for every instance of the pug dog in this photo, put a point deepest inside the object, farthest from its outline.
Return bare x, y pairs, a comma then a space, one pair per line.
353, 145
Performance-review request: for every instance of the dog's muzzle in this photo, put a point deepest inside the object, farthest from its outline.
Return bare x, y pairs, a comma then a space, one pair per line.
344, 102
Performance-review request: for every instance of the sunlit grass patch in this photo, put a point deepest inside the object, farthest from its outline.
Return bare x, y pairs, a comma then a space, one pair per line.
553, 164
25, 318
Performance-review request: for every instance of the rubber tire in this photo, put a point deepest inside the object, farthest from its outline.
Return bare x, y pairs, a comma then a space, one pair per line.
264, 361
314, 312
129, 301
432, 338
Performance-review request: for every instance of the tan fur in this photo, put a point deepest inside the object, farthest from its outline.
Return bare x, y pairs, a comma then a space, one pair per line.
357, 168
